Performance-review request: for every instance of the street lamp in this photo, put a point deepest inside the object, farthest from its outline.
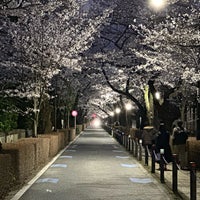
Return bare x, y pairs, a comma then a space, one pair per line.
112, 115
157, 95
117, 110
128, 107
157, 5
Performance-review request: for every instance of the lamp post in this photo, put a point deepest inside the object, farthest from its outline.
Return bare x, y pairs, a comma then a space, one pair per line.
157, 95
118, 110
128, 107
112, 115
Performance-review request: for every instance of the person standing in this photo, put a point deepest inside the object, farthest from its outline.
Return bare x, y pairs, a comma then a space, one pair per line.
179, 138
162, 142
148, 136
148, 139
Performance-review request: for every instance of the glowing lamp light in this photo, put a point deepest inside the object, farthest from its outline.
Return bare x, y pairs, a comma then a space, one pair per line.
157, 95
157, 4
128, 106
74, 113
97, 123
112, 114
117, 110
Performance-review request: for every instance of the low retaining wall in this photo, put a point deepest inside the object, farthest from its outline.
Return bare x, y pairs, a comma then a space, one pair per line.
193, 147
72, 134
79, 128
7, 179
21, 159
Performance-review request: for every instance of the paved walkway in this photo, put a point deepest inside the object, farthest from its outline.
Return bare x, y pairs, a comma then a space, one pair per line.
95, 167
183, 178
183, 182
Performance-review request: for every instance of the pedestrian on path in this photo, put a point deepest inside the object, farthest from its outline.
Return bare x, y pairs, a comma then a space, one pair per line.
179, 138
162, 142
148, 138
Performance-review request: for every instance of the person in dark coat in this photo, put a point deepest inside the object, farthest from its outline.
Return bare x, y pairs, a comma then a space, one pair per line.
162, 142
180, 136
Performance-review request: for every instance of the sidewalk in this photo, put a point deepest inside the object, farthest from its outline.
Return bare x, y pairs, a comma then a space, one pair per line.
183, 178
183, 181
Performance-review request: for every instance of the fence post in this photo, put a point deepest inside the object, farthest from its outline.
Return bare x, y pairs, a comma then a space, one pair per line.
146, 155
123, 138
126, 144
175, 173
162, 168
133, 146
193, 184
136, 148
129, 143
153, 159
140, 150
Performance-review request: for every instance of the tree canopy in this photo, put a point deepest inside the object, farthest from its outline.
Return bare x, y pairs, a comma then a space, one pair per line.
92, 53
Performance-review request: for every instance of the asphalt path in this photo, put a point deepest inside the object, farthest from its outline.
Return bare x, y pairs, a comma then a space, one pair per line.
94, 167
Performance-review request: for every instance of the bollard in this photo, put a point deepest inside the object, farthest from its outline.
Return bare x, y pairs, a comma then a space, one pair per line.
193, 184
153, 159
129, 142
146, 155
123, 138
162, 168
136, 149
133, 146
140, 150
175, 173
126, 143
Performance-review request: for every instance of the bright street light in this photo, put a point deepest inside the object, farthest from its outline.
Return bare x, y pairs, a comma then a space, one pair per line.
112, 114
157, 5
117, 110
128, 106
157, 95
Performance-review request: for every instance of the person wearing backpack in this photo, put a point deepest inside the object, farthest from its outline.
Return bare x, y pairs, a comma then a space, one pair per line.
179, 138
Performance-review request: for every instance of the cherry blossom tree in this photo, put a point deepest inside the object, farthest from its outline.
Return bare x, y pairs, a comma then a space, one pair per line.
46, 35
118, 47
173, 51
147, 47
